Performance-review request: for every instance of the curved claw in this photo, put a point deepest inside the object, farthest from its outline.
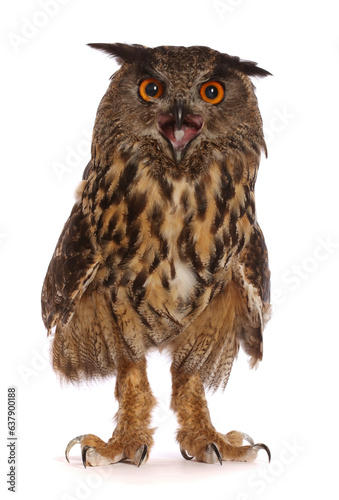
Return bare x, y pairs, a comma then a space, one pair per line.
261, 446
216, 451
185, 454
247, 438
76, 440
143, 454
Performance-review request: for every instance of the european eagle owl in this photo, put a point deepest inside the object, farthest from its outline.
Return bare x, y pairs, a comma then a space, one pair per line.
162, 248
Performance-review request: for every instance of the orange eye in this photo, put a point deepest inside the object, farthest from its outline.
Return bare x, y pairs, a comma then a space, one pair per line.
212, 92
151, 88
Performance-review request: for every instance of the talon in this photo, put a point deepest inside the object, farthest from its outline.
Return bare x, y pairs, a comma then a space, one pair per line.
212, 448
261, 446
76, 440
185, 454
247, 438
143, 454
83, 454
216, 451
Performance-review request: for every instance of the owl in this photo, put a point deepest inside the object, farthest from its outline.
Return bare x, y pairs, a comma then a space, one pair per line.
162, 249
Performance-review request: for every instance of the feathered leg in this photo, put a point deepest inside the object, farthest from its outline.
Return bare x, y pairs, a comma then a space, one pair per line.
132, 437
196, 435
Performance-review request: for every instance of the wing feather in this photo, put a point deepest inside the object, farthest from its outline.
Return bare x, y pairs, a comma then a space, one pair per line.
73, 267
255, 274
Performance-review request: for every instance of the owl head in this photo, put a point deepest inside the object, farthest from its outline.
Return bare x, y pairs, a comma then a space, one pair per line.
179, 105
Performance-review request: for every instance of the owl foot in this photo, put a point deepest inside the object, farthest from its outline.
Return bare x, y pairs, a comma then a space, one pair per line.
213, 447
96, 452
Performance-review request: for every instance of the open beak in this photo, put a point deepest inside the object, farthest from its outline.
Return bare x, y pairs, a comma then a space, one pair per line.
179, 128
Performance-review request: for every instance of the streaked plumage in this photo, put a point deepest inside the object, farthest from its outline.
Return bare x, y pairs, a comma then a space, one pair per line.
162, 248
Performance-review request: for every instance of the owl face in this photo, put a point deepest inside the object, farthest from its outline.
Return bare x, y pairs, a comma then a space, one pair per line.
182, 98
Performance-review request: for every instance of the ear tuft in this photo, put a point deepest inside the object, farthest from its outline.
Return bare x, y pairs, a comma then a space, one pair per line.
122, 52
249, 68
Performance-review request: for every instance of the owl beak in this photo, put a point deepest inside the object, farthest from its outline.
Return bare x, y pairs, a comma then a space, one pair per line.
179, 112
179, 128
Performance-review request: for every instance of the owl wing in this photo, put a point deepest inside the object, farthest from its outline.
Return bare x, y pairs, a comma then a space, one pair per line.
88, 170
253, 266
72, 268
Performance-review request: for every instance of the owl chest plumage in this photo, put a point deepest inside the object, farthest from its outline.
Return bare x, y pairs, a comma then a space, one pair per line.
166, 245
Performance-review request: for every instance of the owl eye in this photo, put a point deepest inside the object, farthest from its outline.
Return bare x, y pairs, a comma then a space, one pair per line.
151, 88
212, 92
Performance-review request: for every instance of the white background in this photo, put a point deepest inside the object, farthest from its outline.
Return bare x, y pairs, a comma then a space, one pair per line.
51, 86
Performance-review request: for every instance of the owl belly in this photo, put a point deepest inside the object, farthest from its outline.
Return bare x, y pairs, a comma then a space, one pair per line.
158, 310
172, 294
184, 282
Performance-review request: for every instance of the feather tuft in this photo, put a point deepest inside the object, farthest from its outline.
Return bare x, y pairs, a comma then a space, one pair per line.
124, 53
249, 68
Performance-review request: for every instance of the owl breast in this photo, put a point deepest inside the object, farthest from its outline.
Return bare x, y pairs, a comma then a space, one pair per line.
166, 243
173, 288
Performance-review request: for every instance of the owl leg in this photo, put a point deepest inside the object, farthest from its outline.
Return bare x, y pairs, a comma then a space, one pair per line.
132, 438
196, 435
